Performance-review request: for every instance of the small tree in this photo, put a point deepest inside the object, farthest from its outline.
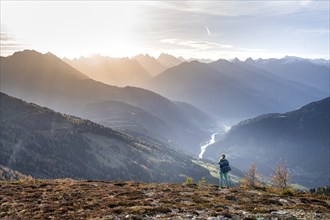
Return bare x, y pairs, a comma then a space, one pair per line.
188, 181
251, 177
280, 176
201, 182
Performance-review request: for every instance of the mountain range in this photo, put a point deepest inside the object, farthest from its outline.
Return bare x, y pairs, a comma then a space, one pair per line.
186, 103
233, 89
123, 71
300, 137
46, 80
313, 73
155, 66
113, 71
42, 143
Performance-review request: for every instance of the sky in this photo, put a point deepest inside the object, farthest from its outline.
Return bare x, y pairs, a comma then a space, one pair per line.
199, 29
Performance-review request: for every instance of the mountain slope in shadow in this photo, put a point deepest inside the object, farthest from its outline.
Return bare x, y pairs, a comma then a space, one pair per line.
299, 137
296, 69
47, 80
44, 144
232, 90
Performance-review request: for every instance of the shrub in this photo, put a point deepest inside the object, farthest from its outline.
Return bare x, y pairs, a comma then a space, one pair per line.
280, 176
188, 181
287, 192
250, 177
201, 182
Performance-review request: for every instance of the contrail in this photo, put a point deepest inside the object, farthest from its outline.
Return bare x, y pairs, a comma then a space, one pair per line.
208, 31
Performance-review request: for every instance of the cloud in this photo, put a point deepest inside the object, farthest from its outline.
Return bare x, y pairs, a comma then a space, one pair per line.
5, 37
9, 44
241, 8
319, 31
276, 26
203, 45
252, 49
306, 3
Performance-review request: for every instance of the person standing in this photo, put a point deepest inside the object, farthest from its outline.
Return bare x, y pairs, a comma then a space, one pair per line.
224, 169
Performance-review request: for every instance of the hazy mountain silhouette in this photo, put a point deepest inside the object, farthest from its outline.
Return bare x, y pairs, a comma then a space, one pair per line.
230, 89
139, 123
200, 60
314, 73
123, 71
149, 63
112, 71
44, 144
168, 60
48, 81
300, 137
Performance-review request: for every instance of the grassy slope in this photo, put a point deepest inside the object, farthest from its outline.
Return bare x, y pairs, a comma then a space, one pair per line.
235, 175
69, 199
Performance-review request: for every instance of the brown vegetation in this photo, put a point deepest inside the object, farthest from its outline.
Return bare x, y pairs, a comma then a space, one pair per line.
281, 175
70, 199
250, 179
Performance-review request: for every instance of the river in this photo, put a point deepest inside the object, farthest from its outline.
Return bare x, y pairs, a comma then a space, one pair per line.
224, 130
203, 147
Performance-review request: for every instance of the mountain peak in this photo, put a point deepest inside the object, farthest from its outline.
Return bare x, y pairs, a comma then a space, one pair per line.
165, 55
221, 61
168, 60
47, 64
50, 54
292, 59
249, 60
141, 56
26, 53
149, 63
34, 53
235, 60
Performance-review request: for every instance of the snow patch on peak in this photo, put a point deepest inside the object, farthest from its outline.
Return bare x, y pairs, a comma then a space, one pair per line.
292, 59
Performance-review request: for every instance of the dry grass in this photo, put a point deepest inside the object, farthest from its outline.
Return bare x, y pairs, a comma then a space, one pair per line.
70, 199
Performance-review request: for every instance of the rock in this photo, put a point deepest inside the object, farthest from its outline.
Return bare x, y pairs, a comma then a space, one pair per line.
312, 190
232, 198
317, 215
217, 218
279, 212
324, 190
284, 202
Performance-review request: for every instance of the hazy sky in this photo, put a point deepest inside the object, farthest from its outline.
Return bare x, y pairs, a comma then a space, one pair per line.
200, 29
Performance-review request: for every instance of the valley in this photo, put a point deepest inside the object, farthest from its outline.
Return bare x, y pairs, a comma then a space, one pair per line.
137, 110
218, 96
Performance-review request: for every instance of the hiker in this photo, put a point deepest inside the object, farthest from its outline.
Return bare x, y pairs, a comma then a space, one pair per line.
224, 169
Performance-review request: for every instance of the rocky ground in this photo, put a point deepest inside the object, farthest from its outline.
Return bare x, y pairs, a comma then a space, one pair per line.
69, 199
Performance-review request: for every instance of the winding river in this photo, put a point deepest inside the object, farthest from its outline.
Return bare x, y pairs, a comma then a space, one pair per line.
203, 147
225, 129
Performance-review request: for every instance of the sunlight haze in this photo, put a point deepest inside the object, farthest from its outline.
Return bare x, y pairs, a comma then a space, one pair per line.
200, 29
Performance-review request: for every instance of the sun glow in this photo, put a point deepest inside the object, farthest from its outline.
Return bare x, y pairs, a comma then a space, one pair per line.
216, 29
105, 27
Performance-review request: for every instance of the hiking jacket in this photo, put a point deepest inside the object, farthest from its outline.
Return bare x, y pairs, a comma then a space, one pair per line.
224, 166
